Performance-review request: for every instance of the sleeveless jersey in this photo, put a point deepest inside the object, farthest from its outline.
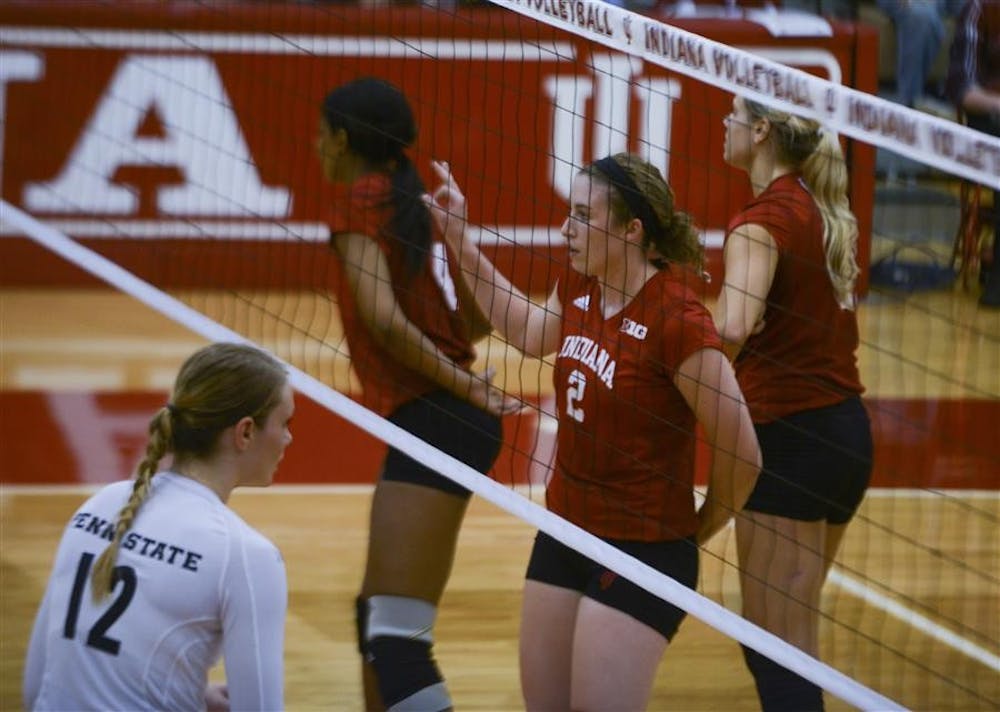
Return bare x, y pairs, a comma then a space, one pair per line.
625, 458
193, 581
805, 356
428, 298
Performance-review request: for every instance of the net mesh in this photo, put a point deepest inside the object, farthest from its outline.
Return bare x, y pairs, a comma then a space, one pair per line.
189, 161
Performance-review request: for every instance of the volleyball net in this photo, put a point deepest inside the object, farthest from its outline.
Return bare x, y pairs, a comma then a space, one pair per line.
184, 174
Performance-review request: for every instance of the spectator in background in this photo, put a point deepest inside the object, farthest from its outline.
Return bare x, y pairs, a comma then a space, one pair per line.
920, 30
838, 9
846, 10
974, 86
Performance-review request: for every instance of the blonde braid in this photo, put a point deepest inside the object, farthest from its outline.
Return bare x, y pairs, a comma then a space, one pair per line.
160, 437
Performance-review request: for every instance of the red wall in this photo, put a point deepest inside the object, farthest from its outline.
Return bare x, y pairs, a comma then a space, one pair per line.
70, 438
492, 118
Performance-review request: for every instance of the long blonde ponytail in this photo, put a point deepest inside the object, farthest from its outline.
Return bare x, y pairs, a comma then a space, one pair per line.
816, 152
825, 172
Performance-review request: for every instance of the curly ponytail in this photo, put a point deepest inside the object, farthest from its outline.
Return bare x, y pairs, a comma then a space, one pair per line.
672, 238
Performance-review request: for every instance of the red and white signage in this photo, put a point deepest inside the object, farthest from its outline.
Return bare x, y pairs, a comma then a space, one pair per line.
180, 142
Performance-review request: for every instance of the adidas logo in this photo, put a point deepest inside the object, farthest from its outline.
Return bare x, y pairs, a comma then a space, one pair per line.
582, 303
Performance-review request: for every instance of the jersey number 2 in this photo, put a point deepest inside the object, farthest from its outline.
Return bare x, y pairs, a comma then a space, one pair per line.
574, 394
439, 268
96, 637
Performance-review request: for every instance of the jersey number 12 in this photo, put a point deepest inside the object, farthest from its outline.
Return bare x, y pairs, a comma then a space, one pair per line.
96, 638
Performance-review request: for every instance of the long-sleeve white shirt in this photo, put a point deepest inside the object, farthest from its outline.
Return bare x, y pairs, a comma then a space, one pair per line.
193, 581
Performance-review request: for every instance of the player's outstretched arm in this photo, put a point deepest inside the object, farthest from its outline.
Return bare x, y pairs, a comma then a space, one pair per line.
532, 328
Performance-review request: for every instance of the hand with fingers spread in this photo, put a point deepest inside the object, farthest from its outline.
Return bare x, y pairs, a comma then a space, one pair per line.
447, 204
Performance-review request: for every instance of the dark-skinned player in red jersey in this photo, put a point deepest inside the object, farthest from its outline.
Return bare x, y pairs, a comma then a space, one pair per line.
410, 331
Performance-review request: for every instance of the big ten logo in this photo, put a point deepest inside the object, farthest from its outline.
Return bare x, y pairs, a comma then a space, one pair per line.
633, 328
200, 138
614, 90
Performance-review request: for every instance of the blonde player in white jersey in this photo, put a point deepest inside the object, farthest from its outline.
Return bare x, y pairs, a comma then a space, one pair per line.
155, 578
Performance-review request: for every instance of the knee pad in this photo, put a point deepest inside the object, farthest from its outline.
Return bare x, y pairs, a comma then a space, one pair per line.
395, 635
779, 688
360, 623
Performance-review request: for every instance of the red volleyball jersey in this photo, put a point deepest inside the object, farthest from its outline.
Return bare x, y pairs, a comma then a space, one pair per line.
804, 357
625, 458
428, 298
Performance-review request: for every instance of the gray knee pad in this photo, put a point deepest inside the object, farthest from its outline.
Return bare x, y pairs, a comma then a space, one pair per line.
396, 635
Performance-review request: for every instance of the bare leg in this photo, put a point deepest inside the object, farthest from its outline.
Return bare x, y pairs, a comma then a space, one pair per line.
548, 617
834, 537
615, 658
411, 547
781, 573
782, 565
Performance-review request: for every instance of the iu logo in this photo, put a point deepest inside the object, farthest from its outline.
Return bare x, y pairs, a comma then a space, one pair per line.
617, 88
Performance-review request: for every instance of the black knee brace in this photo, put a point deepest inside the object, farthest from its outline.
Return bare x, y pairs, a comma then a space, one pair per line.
780, 689
395, 638
405, 668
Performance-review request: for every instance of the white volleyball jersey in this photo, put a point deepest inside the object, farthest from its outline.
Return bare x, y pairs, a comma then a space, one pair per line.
192, 581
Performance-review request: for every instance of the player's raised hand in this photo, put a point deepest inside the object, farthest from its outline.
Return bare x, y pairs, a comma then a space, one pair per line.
447, 204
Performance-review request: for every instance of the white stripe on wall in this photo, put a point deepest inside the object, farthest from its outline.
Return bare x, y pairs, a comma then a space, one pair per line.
535, 235
316, 45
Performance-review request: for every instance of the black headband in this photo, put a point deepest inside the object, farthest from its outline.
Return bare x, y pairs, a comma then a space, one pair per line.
637, 203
